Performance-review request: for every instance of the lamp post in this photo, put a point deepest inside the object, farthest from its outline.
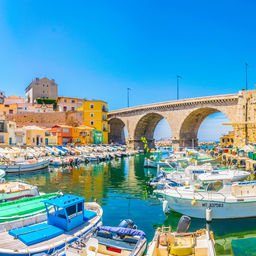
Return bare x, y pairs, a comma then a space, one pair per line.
128, 97
178, 78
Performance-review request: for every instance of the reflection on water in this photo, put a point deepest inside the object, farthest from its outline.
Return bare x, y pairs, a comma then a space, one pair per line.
120, 186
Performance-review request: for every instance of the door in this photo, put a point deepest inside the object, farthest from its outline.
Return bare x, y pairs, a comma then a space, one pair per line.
37, 140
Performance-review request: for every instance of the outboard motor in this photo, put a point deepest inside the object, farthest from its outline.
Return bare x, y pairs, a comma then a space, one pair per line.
183, 224
127, 224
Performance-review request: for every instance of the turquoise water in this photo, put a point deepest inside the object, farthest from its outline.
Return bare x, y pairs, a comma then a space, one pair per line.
120, 186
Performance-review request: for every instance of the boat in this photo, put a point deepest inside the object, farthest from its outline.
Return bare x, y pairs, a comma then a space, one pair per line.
23, 208
124, 240
10, 191
181, 243
68, 218
211, 199
24, 166
194, 173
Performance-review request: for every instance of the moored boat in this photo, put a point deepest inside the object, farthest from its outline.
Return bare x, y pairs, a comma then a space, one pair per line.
16, 190
181, 243
24, 166
68, 218
123, 240
212, 199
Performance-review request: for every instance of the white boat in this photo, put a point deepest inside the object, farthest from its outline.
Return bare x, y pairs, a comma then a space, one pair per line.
68, 218
206, 172
24, 166
155, 164
212, 200
15, 190
169, 243
124, 240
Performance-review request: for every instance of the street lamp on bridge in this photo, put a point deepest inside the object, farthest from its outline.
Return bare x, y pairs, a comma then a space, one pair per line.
128, 97
178, 78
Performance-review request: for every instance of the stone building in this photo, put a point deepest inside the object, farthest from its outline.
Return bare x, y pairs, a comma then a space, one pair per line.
66, 104
43, 88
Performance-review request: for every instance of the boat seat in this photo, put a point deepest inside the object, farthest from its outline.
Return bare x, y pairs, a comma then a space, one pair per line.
104, 234
88, 215
36, 233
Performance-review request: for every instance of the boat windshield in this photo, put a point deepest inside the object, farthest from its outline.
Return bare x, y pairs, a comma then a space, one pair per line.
214, 186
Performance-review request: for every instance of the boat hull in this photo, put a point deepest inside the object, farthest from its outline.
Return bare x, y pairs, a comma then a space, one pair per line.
25, 167
219, 209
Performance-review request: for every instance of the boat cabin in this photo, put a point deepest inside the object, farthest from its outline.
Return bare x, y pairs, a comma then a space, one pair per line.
67, 213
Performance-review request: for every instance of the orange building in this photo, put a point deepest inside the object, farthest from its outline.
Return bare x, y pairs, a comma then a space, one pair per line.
8, 109
63, 132
82, 135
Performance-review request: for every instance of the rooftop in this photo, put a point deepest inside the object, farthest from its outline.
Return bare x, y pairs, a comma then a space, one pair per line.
64, 200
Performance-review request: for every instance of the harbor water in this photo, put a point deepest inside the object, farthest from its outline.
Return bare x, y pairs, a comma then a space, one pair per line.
120, 186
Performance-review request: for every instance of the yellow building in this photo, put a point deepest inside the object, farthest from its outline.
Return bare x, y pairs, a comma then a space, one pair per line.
95, 115
227, 140
82, 135
51, 138
34, 135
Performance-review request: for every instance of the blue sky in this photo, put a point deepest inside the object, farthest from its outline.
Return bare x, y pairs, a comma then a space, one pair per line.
96, 49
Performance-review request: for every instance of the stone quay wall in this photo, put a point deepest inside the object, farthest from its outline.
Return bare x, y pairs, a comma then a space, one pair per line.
47, 119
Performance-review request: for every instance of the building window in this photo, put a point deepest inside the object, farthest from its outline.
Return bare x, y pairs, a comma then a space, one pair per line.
65, 100
64, 108
10, 111
33, 140
73, 101
92, 106
92, 123
92, 115
73, 108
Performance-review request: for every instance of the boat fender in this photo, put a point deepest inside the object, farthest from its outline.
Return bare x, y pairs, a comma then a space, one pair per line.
208, 214
194, 202
165, 206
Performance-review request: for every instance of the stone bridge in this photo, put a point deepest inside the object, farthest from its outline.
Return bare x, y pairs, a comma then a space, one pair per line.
185, 117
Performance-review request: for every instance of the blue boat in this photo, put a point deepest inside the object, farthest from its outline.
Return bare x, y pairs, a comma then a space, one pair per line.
68, 218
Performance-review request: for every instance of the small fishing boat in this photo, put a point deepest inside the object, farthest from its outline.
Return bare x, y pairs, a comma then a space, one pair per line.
24, 166
181, 243
15, 190
23, 208
212, 199
68, 218
123, 240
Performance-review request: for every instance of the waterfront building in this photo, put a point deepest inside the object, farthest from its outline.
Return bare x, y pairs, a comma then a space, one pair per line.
7, 132
95, 115
63, 132
65, 104
6, 109
34, 135
34, 108
51, 138
12, 99
227, 140
20, 135
2, 95
82, 135
43, 88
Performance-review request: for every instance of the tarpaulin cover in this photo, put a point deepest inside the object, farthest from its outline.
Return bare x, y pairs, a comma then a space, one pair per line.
123, 231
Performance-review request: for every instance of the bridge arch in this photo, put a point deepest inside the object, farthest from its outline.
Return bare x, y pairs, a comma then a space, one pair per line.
116, 134
145, 127
189, 128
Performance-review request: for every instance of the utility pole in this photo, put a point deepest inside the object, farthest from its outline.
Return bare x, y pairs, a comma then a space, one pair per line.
178, 78
246, 67
128, 97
